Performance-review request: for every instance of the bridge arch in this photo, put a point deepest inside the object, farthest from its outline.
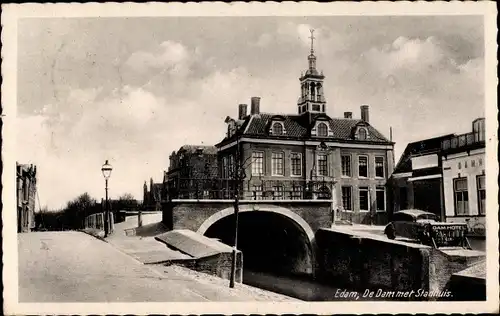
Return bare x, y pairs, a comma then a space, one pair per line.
306, 243
263, 208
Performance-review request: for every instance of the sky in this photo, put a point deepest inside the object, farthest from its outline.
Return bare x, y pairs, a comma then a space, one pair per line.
132, 90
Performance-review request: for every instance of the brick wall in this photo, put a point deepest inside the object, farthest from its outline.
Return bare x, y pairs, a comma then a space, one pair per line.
218, 265
443, 266
191, 215
363, 263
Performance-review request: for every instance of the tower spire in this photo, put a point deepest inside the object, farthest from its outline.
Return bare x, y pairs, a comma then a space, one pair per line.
312, 58
311, 83
312, 40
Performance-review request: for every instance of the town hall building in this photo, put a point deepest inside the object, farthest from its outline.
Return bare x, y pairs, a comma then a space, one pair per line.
309, 155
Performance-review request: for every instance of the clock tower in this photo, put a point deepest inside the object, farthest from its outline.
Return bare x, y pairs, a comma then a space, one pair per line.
312, 98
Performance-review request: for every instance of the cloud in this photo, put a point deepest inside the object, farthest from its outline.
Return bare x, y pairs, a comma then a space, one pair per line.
134, 127
289, 32
169, 55
408, 55
147, 98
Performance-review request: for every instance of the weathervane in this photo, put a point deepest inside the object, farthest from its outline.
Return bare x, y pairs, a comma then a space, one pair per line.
312, 40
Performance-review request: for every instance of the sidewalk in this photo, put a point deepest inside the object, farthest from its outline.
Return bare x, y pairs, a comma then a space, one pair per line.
149, 251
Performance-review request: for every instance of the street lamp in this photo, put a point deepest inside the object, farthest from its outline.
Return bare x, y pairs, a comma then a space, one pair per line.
323, 147
106, 172
238, 176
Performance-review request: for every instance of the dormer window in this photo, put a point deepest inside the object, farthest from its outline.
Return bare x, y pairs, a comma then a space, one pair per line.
322, 129
278, 128
362, 134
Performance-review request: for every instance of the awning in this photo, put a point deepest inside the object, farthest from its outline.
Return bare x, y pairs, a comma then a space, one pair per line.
401, 175
432, 176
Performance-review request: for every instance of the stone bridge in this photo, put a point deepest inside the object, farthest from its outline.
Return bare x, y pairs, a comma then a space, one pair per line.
275, 236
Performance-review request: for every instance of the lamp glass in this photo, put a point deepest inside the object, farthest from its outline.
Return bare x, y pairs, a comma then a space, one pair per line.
106, 170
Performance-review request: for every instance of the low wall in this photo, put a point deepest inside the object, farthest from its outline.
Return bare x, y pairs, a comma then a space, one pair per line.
442, 266
218, 265
363, 262
96, 222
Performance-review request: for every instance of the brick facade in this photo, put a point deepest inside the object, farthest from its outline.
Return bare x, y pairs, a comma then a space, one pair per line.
309, 166
26, 197
189, 166
191, 215
270, 147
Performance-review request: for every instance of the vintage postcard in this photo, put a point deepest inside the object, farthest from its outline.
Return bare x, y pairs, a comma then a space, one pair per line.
249, 158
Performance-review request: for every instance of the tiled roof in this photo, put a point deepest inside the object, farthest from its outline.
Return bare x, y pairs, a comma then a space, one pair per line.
210, 150
299, 126
421, 147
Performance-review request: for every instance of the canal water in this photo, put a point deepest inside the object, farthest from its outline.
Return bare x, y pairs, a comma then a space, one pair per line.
302, 288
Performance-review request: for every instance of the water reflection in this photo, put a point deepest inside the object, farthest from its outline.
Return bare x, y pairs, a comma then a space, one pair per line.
303, 288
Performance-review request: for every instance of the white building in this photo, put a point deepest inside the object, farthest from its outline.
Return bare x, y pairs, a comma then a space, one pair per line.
464, 185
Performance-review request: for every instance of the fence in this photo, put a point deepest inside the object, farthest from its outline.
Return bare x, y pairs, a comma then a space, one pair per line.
96, 221
193, 188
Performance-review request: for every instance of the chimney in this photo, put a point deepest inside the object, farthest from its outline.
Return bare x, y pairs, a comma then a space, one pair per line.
364, 113
255, 105
242, 111
348, 115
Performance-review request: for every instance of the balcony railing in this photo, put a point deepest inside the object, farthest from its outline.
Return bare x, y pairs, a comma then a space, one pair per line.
463, 140
249, 189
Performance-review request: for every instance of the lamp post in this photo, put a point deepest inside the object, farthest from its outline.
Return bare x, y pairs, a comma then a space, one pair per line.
106, 172
238, 176
323, 147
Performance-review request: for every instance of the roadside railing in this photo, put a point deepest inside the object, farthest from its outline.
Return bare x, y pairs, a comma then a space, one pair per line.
194, 188
96, 221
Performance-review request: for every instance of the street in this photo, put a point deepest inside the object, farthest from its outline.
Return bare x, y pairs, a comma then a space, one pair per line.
76, 267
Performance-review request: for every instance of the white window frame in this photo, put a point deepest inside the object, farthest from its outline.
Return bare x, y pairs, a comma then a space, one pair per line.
314, 131
225, 167
282, 128
231, 166
317, 165
263, 163
327, 129
455, 200
367, 189
383, 167
367, 166
480, 212
358, 129
273, 171
350, 209
379, 189
342, 166
300, 164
